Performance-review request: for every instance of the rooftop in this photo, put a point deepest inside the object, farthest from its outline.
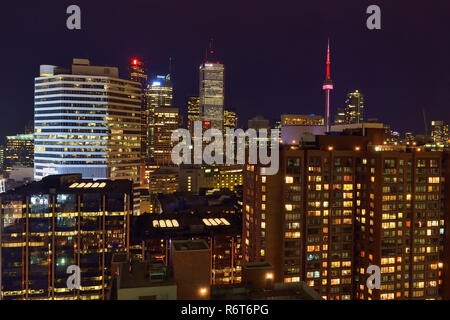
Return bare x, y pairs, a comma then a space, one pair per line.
189, 245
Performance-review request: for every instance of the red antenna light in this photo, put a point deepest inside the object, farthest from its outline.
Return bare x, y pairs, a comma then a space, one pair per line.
135, 61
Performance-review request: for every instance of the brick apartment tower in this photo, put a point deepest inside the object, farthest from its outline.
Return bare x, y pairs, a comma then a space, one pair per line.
333, 210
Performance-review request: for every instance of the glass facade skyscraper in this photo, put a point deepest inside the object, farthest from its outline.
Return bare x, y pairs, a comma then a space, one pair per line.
60, 221
354, 107
159, 93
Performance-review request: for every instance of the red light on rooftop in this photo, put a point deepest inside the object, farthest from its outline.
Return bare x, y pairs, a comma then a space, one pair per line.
135, 61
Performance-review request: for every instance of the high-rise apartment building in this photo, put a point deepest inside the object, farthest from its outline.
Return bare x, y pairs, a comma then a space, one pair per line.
333, 210
58, 222
88, 121
400, 225
212, 90
440, 133
19, 151
354, 107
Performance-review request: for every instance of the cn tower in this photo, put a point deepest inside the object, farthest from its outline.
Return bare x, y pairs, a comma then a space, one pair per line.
327, 86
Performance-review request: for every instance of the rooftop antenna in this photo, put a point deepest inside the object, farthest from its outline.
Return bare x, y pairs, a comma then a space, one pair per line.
169, 75
425, 121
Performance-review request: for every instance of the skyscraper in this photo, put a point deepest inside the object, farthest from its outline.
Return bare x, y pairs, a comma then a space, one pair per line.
440, 133
212, 86
138, 73
88, 121
354, 107
57, 222
193, 109
166, 121
159, 93
229, 119
327, 86
19, 151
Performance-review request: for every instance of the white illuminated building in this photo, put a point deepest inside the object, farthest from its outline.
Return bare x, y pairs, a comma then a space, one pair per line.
87, 121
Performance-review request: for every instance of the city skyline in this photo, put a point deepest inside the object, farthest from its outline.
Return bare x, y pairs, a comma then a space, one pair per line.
382, 64
151, 150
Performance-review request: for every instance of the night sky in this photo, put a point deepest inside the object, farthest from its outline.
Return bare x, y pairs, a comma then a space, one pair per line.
274, 52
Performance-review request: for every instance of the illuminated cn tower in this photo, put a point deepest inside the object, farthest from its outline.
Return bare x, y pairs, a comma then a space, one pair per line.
327, 86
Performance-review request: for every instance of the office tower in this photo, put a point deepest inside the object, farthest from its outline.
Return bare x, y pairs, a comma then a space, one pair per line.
159, 94
57, 222
164, 180
439, 133
19, 151
229, 123
194, 178
339, 117
350, 201
354, 107
138, 73
166, 121
258, 122
327, 86
220, 177
212, 86
193, 109
88, 121
229, 119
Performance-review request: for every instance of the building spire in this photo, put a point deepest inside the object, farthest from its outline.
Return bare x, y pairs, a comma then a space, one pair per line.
327, 87
210, 52
328, 60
